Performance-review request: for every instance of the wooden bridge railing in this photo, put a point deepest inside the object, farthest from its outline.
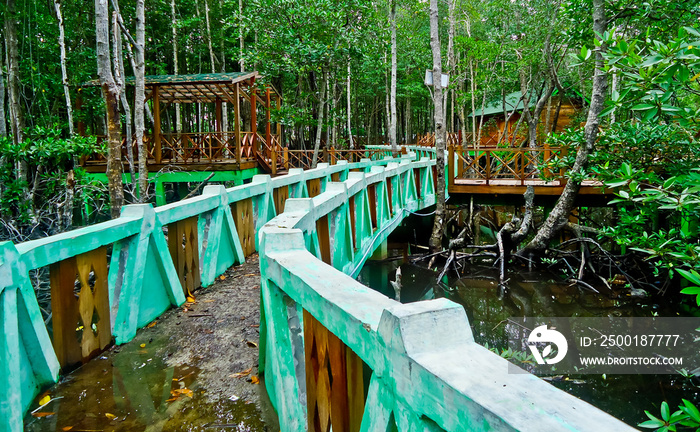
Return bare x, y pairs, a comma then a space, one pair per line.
109, 279
323, 330
195, 147
521, 164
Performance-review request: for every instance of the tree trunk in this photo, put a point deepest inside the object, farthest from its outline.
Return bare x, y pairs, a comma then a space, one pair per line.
110, 93
319, 128
392, 102
176, 68
119, 79
352, 144
559, 215
241, 61
13, 84
3, 124
140, 97
64, 73
209, 44
407, 128
436, 237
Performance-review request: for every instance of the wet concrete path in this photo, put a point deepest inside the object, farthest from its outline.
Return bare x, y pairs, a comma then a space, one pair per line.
193, 369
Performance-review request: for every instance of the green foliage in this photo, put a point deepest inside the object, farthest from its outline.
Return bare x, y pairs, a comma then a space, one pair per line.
31, 207
661, 79
686, 416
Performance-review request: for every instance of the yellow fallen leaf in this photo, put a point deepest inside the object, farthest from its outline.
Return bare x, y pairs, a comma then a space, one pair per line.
143, 345
110, 416
254, 379
153, 324
241, 374
222, 277
251, 344
191, 299
43, 414
66, 428
46, 399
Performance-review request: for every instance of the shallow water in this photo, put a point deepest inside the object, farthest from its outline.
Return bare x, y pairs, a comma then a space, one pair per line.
133, 390
541, 294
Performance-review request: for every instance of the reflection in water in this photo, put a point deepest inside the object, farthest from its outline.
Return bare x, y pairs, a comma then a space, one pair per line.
539, 294
133, 391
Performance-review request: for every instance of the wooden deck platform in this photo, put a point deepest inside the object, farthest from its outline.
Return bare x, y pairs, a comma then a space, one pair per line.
518, 187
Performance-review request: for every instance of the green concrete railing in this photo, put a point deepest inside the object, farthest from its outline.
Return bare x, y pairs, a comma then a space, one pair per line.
335, 353
129, 271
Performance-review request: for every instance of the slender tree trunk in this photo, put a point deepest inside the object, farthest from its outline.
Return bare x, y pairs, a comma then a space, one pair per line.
392, 107
3, 124
140, 97
352, 144
176, 68
64, 73
13, 84
559, 215
224, 105
407, 128
209, 44
436, 237
119, 79
334, 111
319, 128
241, 44
110, 92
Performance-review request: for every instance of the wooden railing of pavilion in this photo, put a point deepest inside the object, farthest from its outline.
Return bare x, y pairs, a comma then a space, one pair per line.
522, 164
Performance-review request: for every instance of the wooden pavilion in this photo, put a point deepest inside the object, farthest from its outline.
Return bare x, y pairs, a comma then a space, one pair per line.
210, 147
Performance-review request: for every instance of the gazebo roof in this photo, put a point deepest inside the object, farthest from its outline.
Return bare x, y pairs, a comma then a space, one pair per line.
194, 88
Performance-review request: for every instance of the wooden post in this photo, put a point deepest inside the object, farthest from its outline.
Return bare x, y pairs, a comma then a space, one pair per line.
451, 167
219, 121
488, 166
254, 119
156, 124
286, 158
237, 121
268, 106
279, 125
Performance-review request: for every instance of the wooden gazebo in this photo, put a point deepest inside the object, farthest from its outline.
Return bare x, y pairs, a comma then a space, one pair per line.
211, 147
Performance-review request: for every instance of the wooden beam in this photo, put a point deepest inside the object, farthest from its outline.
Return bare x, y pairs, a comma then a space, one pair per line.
237, 121
254, 124
228, 96
267, 117
156, 124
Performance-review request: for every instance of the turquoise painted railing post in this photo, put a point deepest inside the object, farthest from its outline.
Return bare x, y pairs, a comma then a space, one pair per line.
143, 282
27, 359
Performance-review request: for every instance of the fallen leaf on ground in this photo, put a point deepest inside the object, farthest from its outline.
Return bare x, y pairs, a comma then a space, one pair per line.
251, 344
110, 416
180, 392
254, 379
44, 400
208, 301
191, 299
241, 374
43, 414
222, 277
254, 325
66, 428
143, 345
249, 274
153, 324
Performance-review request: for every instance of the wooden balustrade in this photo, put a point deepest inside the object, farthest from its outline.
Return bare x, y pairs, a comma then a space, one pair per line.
520, 164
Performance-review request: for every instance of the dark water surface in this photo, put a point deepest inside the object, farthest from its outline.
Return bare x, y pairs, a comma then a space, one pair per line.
133, 390
541, 294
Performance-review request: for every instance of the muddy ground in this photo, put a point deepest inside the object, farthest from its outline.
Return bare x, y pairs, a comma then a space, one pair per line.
194, 369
